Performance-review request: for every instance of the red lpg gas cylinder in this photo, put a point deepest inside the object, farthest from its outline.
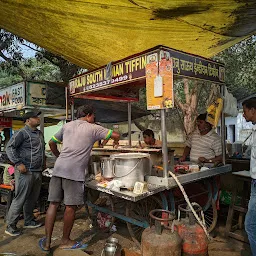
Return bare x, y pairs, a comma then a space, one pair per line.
160, 240
195, 241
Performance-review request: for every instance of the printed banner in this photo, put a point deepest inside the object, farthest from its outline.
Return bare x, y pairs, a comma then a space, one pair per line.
133, 69
111, 75
12, 97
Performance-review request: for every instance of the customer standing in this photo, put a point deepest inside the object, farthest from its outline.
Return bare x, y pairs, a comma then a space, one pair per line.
67, 182
249, 107
26, 149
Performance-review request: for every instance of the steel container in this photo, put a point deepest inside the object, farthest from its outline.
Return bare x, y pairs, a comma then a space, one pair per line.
237, 148
131, 167
107, 167
95, 167
112, 247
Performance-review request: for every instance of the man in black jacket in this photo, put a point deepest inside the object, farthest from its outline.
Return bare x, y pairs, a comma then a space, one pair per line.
26, 149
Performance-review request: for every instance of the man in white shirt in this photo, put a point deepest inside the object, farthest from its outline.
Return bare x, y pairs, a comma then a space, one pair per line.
249, 107
204, 144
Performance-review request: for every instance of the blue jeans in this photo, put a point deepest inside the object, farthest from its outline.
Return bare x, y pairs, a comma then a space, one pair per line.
250, 219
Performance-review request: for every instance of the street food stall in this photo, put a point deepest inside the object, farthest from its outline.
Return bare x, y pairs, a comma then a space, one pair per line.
15, 100
121, 81
47, 97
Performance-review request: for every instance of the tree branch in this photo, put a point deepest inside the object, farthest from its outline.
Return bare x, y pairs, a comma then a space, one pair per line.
36, 50
186, 91
178, 103
194, 89
199, 91
4, 57
212, 94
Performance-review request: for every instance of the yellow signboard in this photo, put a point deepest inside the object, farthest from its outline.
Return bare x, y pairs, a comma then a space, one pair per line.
159, 81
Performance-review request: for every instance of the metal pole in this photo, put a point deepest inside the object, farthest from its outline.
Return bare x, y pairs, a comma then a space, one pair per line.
66, 94
72, 110
164, 143
223, 126
130, 123
42, 122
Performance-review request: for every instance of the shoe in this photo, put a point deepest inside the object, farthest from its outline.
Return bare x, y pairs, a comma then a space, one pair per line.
32, 224
12, 231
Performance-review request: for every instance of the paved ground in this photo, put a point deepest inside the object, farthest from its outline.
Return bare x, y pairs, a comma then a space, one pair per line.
27, 243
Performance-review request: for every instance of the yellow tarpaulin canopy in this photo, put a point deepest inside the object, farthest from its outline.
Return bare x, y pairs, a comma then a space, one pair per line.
91, 33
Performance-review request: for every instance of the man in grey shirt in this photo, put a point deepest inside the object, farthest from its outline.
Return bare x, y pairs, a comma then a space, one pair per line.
26, 149
69, 172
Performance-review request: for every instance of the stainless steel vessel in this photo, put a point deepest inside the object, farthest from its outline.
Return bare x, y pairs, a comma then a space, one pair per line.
131, 167
107, 167
95, 166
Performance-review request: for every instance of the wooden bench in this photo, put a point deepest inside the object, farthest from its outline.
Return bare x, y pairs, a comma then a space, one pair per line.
237, 231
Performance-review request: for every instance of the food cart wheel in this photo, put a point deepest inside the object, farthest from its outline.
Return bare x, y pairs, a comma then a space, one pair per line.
201, 193
210, 208
140, 211
211, 216
97, 217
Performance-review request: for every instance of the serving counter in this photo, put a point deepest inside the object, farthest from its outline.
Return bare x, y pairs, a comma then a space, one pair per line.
135, 207
154, 189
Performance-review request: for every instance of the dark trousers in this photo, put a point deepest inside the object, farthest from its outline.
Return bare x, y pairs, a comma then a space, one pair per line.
27, 190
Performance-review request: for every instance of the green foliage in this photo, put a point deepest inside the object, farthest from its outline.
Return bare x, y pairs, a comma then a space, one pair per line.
240, 62
7, 79
45, 66
28, 69
10, 49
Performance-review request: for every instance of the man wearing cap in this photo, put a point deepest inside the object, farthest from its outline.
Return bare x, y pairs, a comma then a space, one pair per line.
67, 182
204, 144
26, 149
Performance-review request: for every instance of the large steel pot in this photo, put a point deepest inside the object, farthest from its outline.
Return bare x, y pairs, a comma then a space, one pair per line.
131, 167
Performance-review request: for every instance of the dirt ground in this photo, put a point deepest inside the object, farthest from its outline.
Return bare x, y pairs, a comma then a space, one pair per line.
27, 243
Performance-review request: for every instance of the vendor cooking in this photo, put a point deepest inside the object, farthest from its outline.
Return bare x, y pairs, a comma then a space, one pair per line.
204, 144
149, 140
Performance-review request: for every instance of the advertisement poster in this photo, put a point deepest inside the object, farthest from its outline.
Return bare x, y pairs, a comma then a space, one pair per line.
12, 97
159, 81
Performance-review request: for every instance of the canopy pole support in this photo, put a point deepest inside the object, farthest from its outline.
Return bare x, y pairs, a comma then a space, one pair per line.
130, 123
72, 110
66, 93
164, 143
223, 126
42, 122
